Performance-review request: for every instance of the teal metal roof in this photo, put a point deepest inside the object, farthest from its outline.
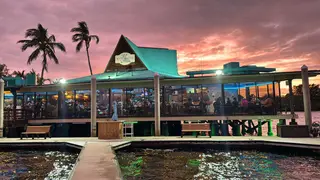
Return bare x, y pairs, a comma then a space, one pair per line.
159, 60
119, 76
233, 68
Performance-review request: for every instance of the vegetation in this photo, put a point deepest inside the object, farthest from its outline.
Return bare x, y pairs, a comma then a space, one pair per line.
44, 45
4, 71
82, 36
19, 74
298, 98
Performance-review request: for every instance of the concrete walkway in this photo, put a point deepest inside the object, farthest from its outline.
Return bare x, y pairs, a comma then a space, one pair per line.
97, 161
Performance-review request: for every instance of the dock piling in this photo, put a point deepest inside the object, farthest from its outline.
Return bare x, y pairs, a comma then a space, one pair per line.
1, 106
306, 96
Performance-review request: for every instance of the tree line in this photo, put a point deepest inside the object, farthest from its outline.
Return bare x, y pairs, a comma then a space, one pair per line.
45, 46
298, 98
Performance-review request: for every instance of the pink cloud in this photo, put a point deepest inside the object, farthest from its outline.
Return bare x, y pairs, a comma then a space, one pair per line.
281, 34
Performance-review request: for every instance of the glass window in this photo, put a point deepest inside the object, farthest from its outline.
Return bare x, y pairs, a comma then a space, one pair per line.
173, 100
118, 96
103, 103
82, 104
52, 105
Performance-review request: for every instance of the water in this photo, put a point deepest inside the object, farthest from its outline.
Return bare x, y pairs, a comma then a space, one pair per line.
23, 164
158, 164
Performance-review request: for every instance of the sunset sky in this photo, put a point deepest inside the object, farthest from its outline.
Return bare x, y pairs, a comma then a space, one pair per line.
206, 33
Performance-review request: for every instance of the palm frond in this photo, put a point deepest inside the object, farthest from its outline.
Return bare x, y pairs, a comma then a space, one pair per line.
24, 41
52, 38
95, 37
84, 27
76, 29
33, 56
59, 45
31, 33
77, 37
79, 46
52, 55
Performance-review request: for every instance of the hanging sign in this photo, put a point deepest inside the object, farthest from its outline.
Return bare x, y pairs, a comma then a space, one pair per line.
125, 58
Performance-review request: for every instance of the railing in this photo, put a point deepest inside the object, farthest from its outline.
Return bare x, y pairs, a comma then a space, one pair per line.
16, 117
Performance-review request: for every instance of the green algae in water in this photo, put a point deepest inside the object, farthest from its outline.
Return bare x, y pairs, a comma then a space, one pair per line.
212, 164
134, 168
194, 162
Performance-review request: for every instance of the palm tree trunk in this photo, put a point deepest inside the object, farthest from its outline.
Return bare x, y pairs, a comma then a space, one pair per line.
43, 67
87, 48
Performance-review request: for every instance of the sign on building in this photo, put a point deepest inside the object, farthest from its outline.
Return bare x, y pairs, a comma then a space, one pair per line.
124, 58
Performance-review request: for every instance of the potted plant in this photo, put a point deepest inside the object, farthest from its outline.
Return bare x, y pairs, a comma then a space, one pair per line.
315, 129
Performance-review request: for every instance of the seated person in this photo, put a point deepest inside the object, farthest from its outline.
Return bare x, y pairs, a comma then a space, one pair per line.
267, 105
244, 105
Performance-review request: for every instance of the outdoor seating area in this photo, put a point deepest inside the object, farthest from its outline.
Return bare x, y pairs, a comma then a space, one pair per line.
36, 131
195, 128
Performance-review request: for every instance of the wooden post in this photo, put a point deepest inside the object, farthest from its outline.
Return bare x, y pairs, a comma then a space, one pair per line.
93, 106
306, 96
293, 121
1, 106
157, 104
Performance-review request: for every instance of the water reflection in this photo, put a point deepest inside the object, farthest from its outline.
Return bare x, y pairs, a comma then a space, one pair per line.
212, 164
36, 164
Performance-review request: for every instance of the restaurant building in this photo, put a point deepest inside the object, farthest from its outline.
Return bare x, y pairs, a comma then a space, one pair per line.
135, 77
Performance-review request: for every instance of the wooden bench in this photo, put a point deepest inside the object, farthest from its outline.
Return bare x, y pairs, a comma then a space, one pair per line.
195, 127
37, 130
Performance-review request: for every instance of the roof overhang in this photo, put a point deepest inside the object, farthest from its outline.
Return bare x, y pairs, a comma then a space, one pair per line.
266, 77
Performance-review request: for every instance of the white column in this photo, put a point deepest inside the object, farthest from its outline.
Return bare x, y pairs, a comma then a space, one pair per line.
157, 104
93, 106
1, 106
306, 96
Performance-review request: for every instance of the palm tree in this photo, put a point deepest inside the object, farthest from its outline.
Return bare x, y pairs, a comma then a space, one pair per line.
44, 45
39, 80
81, 36
19, 73
4, 71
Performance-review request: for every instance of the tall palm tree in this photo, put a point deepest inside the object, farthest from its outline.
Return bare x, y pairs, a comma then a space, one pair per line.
81, 36
44, 45
19, 73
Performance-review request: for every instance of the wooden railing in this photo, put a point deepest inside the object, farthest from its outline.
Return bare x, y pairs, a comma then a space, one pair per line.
16, 117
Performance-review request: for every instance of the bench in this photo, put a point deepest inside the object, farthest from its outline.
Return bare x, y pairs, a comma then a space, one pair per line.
37, 130
195, 127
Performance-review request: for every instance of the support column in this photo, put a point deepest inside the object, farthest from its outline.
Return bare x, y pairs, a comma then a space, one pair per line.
270, 133
259, 127
293, 121
306, 96
157, 104
93, 106
1, 107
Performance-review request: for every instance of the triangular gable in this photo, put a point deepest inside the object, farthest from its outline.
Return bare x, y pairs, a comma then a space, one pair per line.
124, 46
159, 60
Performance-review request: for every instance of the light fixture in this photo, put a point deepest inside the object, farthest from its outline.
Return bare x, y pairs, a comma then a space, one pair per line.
63, 81
219, 72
